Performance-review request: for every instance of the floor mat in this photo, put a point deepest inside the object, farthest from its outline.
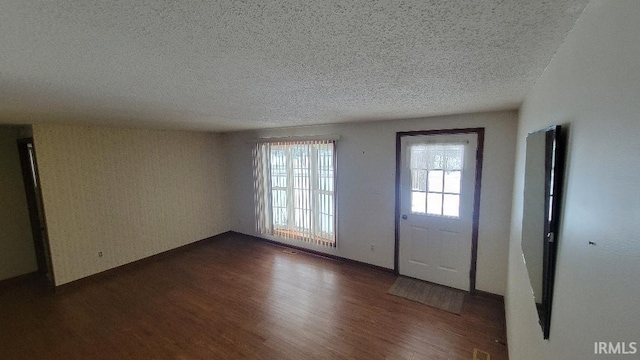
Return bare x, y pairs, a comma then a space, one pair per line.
427, 293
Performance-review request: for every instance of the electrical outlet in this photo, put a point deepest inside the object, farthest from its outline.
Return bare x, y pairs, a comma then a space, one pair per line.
372, 248
99, 253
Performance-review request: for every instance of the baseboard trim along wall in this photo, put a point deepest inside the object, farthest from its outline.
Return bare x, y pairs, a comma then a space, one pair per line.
316, 253
488, 295
110, 272
476, 292
18, 280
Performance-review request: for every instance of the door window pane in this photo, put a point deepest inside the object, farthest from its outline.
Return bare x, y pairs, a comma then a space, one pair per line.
434, 203
418, 202
453, 157
418, 157
419, 180
435, 180
452, 182
451, 205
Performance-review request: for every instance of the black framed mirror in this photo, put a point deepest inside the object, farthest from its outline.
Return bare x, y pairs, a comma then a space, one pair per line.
543, 180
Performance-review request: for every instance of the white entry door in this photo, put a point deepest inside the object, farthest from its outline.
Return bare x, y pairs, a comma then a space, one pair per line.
437, 183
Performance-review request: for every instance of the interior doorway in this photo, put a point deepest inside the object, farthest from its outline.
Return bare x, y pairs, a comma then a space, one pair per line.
30, 176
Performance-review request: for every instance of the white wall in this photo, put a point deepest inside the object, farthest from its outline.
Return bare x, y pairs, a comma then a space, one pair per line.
17, 254
129, 193
366, 187
593, 85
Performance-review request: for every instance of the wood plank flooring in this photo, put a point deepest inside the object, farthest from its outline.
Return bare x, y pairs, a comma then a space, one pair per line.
239, 298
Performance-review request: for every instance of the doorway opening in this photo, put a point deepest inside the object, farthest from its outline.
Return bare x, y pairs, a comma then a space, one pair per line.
31, 179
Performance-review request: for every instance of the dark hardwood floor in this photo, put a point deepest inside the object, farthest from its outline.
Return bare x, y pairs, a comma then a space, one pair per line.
236, 297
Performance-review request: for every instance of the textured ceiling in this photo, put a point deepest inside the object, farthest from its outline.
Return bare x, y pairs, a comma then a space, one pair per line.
231, 64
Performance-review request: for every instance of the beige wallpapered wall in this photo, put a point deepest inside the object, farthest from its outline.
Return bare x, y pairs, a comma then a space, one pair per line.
128, 193
17, 255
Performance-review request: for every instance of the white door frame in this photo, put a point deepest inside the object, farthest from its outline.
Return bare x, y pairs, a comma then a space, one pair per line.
476, 200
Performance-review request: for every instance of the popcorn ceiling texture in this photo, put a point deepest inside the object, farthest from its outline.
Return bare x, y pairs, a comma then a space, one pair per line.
232, 65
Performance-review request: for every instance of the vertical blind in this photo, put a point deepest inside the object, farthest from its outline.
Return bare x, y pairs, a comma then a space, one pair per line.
295, 190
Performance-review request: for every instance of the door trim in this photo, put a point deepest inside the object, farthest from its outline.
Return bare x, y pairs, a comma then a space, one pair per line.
476, 197
37, 226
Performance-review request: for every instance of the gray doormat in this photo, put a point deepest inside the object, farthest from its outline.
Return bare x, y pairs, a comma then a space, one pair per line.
427, 293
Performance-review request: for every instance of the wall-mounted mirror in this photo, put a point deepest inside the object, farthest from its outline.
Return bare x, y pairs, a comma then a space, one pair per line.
542, 184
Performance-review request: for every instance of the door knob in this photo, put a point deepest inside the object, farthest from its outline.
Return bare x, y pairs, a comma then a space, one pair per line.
404, 216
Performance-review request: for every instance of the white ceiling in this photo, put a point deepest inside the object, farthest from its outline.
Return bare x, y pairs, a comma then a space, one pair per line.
230, 64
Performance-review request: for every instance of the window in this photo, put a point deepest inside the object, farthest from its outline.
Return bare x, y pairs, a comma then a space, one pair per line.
436, 175
294, 190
